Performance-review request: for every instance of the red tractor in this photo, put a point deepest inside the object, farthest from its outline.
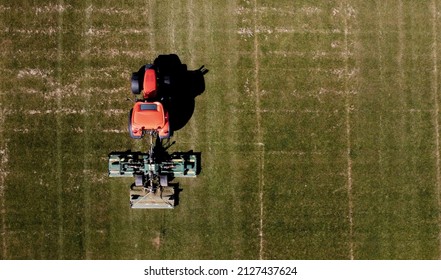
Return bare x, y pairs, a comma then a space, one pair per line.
147, 115
165, 86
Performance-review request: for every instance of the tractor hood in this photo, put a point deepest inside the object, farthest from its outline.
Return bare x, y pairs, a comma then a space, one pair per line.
149, 115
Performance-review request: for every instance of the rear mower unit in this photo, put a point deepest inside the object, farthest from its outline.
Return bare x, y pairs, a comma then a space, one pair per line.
151, 188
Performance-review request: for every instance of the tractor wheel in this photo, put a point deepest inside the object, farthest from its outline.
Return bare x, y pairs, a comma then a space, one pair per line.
135, 83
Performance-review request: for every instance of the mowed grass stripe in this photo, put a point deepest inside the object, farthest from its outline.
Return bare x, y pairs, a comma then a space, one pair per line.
74, 152
391, 143
125, 230
150, 15
159, 230
88, 122
76, 244
223, 181
129, 227
401, 48
5, 75
297, 181
43, 231
230, 199
184, 46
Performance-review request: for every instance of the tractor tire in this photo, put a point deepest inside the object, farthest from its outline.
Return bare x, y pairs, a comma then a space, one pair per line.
136, 88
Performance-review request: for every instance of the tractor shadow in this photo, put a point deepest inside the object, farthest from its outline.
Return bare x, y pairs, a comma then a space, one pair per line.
178, 88
161, 153
177, 192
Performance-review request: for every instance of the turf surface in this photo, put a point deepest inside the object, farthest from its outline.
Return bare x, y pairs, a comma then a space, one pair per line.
318, 130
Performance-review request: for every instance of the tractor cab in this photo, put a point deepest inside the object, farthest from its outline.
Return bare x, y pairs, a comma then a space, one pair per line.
150, 87
145, 81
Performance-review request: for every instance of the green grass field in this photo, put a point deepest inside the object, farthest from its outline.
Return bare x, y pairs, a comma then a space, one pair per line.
319, 129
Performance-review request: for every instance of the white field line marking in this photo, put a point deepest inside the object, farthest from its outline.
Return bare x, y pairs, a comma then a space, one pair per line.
81, 130
50, 8
172, 27
214, 143
86, 175
191, 45
259, 129
308, 111
436, 114
32, 32
348, 141
316, 55
380, 39
92, 31
112, 53
401, 42
190, 37
151, 27
59, 166
57, 8
261, 189
109, 11
307, 10
295, 153
234, 120
249, 32
66, 111
3, 174
121, 131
